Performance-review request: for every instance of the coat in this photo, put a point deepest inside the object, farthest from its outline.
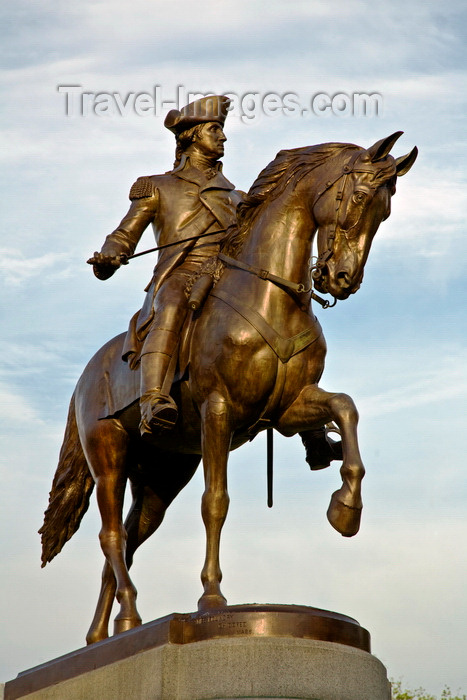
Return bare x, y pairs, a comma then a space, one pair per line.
179, 204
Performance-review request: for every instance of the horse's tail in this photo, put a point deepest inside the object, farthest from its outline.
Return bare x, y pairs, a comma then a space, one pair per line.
71, 490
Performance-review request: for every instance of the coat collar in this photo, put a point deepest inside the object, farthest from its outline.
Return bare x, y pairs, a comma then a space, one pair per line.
188, 172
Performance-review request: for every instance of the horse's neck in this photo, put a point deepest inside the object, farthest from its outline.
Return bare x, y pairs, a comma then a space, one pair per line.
281, 239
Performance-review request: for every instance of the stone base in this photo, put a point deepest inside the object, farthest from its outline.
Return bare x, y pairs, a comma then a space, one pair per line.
239, 652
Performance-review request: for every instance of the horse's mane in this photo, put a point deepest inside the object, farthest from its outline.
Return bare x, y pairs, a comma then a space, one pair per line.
288, 166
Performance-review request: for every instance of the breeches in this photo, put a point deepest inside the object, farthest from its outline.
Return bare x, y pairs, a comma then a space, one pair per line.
170, 310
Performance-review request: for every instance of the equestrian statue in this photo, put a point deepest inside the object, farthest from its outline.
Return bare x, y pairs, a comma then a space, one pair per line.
225, 345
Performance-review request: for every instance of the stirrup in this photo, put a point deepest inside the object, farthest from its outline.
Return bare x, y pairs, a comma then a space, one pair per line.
157, 411
320, 449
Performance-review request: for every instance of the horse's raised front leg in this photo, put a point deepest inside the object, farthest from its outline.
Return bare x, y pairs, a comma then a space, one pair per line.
106, 447
216, 438
314, 407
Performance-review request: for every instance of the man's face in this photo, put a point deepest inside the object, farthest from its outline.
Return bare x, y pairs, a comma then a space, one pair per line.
211, 140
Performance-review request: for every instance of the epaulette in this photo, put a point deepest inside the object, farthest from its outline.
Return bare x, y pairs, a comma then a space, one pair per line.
143, 187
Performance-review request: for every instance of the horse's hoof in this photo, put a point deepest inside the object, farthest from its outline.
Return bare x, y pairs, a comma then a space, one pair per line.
345, 519
123, 624
212, 601
94, 636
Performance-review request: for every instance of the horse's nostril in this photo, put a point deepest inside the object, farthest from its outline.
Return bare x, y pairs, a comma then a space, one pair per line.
343, 279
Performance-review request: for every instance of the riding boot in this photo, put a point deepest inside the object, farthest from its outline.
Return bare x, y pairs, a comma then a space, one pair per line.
320, 449
158, 409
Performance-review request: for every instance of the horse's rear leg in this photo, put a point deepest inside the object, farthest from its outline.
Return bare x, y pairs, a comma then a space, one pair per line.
315, 407
150, 502
216, 438
106, 448
146, 514
99, 628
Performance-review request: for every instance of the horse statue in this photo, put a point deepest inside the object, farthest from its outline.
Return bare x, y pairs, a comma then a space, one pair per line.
255, 356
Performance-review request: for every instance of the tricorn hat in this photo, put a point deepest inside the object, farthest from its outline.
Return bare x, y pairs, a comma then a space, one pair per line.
212, 108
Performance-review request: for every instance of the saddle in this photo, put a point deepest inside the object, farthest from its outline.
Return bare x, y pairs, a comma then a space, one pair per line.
199, 286
124, 388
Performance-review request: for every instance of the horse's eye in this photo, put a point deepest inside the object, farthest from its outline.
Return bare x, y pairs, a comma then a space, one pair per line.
358, 197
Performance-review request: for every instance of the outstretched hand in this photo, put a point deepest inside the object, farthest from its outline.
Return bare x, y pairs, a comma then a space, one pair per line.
105, 265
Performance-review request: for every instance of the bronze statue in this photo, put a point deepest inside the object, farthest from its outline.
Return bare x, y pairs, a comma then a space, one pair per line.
251, 358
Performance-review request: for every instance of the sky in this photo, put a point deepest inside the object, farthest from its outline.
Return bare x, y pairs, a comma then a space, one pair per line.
398, 346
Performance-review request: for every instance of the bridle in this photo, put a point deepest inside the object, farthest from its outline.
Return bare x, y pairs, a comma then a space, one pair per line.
317, 268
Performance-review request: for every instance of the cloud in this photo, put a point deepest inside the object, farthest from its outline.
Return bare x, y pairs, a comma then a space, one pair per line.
439, 385
15, 409
16, 269
433, 202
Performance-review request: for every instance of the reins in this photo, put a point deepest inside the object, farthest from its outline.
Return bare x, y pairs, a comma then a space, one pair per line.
316, 272
124, 258
297, 287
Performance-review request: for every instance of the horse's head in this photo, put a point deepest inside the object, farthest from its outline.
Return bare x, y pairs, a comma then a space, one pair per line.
348, 209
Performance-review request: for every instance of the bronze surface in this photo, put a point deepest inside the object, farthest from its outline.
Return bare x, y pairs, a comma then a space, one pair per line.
252, 358
254, 620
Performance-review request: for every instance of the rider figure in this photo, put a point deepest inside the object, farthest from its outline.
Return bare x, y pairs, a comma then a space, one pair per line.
192, 199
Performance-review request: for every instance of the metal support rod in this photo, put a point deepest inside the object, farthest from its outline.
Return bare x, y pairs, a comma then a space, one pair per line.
270, 457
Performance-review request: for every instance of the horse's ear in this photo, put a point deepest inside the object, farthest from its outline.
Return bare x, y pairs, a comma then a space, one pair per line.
380, 149
404, 163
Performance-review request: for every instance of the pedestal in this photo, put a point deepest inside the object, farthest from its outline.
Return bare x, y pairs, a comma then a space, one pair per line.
248, 651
